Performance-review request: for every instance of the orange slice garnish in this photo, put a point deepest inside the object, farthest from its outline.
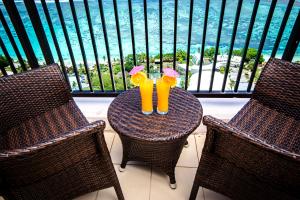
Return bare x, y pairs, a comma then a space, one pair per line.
137, 78
172, 81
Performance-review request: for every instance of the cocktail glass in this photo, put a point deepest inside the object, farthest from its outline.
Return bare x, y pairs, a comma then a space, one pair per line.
163, 92
146, 91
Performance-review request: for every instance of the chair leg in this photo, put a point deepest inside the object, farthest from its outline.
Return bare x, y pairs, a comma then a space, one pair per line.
195, 190
173, 184
119, 192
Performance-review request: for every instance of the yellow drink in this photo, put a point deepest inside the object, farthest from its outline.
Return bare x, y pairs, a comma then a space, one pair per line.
163, 91
146, 90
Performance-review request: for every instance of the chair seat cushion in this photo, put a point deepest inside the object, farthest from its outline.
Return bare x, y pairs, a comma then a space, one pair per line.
48, 125
269, 125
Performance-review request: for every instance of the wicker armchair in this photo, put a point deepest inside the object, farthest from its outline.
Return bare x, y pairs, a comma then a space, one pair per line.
48, 150
257, 154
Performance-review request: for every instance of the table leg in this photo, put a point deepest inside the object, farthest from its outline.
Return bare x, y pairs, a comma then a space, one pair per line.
186, 144
173, 184
123, 163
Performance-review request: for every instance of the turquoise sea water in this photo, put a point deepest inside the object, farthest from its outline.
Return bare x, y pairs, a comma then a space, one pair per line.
153, 26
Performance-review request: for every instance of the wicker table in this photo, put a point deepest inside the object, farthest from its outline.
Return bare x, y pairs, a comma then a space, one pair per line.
154, 139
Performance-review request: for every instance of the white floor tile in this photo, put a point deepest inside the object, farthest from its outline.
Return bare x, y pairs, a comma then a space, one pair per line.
109, 138
89, 196
188, 157
200, 130
211, 195
135, 183
200, 139
116, 150
160, 189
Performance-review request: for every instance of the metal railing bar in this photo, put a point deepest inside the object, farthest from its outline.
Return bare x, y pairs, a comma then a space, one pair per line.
91, 30
262, 42
21, 32
106, 43
11, 64
189, 44
12, 41
47, 15
146, 35
160, 38
78, 33
247, 41
175, 34
120, 43
282, 27
293, 42
2, 69
63, 25
132, 31
203, 44
39, 30
217, 44
236, 22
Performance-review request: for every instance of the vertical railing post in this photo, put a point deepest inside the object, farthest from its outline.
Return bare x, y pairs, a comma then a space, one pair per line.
189, 44
78, 33
175, 34
293, 41
11, 64
39, 30
247, 41
88, 15
236, 22
160, 38
120, 43
203, 44
21, 32
12, 41
217, 45
61, 60
261, 44
282, 27
66, 35
132, 31
146, 35
106, 44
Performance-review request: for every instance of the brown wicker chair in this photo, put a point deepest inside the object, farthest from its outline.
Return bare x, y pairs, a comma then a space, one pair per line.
257, 154
48, 150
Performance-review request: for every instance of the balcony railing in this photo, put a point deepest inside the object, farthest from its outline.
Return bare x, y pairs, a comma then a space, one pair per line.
34, 33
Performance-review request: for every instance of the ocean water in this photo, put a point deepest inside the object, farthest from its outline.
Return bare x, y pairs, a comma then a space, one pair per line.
153, 26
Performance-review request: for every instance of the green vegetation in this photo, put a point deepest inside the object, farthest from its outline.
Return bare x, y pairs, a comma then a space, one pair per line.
210, 53
3, 61
141, 59
251, 54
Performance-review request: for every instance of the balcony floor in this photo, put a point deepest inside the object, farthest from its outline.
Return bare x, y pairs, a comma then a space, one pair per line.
140, 182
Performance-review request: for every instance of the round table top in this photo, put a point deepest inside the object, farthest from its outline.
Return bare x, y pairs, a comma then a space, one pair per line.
126, 118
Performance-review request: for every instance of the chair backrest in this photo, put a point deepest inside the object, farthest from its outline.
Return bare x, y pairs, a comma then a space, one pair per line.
28, 94
279, 87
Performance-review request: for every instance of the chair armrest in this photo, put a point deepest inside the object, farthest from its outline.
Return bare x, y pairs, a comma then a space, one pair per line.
222, 127
94, 127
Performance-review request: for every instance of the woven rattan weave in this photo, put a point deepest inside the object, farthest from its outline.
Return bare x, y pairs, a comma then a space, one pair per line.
155, 139
257, 154
48, 150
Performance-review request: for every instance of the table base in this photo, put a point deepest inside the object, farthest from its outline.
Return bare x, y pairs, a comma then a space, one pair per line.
162, 155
